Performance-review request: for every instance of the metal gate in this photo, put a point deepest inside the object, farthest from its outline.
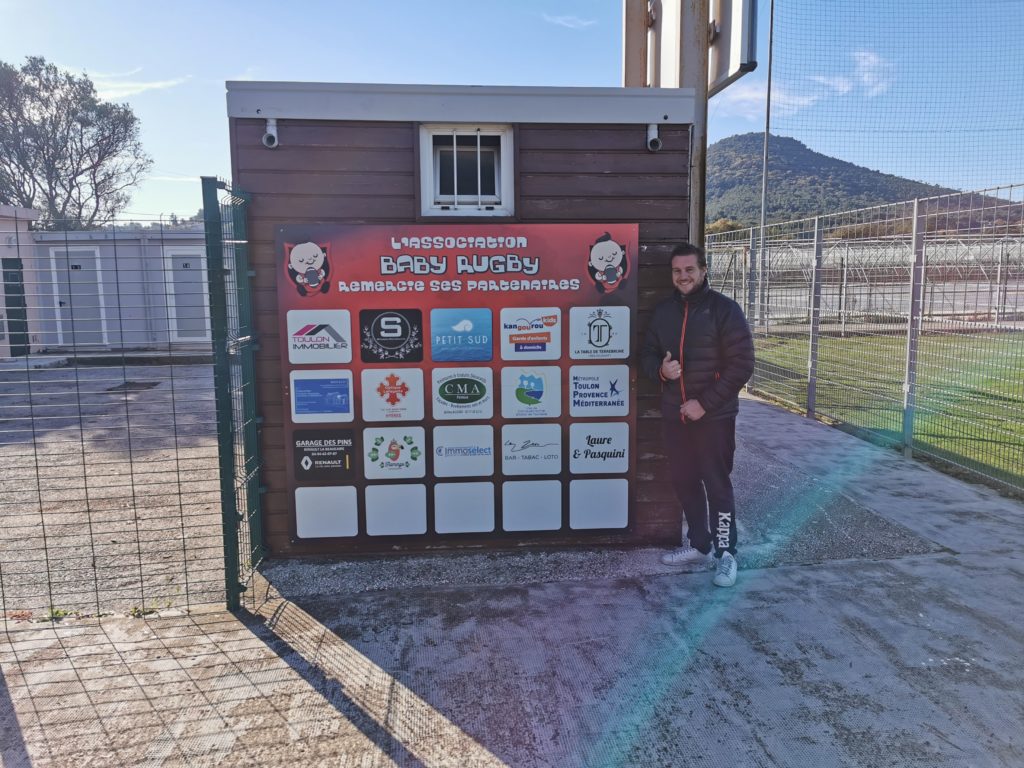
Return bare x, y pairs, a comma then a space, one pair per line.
234, 347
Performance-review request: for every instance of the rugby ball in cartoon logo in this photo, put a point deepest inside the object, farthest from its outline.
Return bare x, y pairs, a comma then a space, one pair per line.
608, 265
308, 267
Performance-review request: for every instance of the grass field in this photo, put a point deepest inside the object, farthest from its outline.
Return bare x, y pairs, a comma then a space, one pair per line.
969, 394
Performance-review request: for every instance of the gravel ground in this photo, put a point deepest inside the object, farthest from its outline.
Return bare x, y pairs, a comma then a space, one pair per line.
108, 489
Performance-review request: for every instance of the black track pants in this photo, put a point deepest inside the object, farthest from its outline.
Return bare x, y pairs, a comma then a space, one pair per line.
700, 455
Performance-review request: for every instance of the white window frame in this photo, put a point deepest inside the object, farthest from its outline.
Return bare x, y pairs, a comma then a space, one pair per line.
476, 205
199, 252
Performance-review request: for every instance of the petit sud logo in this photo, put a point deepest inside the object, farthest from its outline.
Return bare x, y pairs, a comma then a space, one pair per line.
308, 267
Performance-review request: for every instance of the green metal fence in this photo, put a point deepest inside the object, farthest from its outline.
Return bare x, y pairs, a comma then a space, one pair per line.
902, 322
234, 347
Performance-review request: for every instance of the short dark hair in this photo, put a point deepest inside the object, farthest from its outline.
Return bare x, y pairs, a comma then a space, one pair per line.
689, 249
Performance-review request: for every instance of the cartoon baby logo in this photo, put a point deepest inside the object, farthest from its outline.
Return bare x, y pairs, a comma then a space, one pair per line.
308, 267
608, 265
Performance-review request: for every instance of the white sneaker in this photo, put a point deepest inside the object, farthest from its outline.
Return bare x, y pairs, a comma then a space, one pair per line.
725, 572
686, 555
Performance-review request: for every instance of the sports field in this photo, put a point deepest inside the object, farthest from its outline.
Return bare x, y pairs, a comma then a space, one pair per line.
969, 392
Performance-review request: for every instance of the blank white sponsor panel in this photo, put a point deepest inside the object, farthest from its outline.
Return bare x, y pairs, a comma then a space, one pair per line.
464, 451
531, 449
598, 503
326, 512
531, 505
396, 510
464, 507
598, 447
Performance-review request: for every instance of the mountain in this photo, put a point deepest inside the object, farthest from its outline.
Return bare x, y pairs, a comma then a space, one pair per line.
801, 182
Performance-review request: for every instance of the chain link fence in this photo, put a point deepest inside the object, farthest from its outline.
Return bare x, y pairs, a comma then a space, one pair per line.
903, 322
110, 490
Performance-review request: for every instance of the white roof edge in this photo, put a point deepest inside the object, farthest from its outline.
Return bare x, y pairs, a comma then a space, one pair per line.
16, 211
458, 103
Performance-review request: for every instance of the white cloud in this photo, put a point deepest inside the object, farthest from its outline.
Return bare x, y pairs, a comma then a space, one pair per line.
872, 72
746, 100
572, 22
839, 84
115, 87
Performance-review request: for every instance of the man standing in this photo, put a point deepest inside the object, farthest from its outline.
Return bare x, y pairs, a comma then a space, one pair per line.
698, 345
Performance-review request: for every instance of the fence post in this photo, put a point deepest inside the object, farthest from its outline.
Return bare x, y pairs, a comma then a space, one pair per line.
751, 277
843, 291
1000, 294
815, 318
913, 330
222, 386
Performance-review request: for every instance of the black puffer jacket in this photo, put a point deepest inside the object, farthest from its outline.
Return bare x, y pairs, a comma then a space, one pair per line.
717, 353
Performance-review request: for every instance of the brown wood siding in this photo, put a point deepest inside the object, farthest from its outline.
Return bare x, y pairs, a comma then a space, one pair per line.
365, 172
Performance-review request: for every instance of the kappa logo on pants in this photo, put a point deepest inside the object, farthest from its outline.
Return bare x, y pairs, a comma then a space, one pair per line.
724, 526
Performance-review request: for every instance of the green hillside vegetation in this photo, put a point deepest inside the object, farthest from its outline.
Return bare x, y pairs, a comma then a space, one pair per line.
802, 182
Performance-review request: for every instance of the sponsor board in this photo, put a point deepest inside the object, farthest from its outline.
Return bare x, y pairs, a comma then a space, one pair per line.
393, 452
597, 447
531, 333
323, 455
326, 512
462, 393
464, 451
321, 396
597, 333
392, 394
391, 335
531, 449
533, 392
460, 335
319, 336
599, 390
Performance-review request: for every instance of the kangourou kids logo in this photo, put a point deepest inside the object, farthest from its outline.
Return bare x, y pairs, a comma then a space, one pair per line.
319, 336
531, 333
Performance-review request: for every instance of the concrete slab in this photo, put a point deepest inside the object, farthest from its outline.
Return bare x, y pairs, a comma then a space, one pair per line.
877, 622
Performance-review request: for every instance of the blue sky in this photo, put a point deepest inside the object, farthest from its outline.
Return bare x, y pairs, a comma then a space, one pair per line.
170, 62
